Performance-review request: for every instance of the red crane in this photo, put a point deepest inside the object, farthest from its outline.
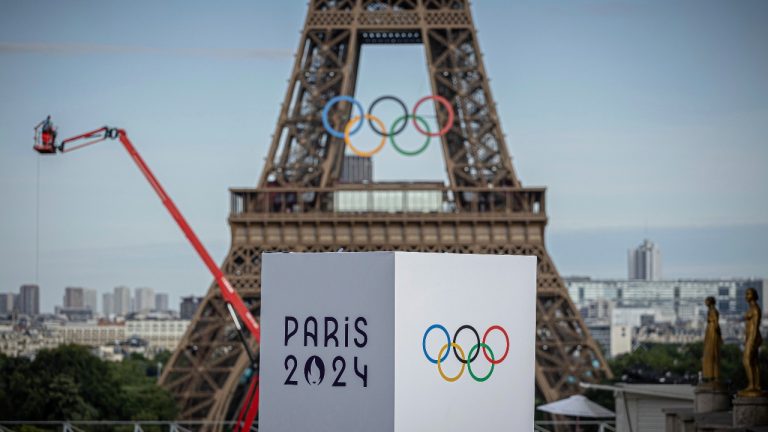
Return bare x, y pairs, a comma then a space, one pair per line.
45, 143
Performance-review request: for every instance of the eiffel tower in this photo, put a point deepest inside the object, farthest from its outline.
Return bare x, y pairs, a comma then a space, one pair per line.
298, 204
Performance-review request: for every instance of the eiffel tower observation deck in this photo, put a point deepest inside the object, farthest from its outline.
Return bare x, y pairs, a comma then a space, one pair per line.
301, 205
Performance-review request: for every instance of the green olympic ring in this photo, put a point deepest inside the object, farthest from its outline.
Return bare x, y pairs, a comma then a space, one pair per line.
404, 118
469, 364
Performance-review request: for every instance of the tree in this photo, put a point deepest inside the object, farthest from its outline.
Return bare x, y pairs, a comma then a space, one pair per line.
145, 400
69, 383
63, 400
680, 364
95, 383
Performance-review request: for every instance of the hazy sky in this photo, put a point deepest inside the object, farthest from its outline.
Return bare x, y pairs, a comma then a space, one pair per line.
643, 118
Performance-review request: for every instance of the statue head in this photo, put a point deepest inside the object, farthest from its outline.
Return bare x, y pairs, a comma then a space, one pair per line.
752, 295
710, 301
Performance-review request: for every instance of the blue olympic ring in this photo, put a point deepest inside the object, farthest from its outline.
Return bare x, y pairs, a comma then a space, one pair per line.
424, 342
327, 124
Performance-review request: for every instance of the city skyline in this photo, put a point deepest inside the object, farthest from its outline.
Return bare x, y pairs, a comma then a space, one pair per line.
129, 295
136, 300
626, 151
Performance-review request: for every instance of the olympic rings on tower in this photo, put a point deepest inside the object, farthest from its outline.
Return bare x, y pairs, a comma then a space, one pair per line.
467, 359
397, 127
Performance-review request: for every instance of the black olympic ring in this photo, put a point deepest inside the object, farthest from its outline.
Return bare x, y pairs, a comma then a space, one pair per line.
399, 102
456, 335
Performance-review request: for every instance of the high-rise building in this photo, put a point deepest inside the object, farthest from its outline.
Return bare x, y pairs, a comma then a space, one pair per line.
644, 262
122, 301
7, 303
189, 306
29, 299
108, 304
91, 300
161, 302
74, 298
144, 299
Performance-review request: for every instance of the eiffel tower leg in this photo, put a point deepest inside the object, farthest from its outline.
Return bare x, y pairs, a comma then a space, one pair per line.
209, 362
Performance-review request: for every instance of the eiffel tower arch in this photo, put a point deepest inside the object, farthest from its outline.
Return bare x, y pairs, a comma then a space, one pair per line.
297, 205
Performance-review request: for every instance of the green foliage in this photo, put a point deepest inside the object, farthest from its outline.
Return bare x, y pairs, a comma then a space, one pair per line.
675, 363
138, 377
90, 379
64, 397
29, 428
659, 363
602, 398
69, 383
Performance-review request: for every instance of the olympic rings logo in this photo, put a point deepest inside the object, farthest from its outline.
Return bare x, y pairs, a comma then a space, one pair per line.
458, 351
355, 123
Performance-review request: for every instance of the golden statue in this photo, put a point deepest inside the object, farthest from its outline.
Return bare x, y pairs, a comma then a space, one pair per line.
752, 344
713, 340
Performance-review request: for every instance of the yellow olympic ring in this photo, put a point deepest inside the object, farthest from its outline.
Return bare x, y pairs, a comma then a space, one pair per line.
463, 365
360, 153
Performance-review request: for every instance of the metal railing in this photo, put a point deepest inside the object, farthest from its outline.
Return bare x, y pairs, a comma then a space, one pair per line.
387, 198
190, 426
114, 425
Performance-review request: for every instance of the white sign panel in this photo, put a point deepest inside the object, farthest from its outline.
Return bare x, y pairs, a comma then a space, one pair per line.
391, 341
327, 345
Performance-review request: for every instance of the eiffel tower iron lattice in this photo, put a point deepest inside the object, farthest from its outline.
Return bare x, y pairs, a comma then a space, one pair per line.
296, 206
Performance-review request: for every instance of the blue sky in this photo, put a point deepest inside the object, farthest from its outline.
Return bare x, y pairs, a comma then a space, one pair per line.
643, 118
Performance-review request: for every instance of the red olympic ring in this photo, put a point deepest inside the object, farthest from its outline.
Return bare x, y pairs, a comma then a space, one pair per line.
506, 336
448, 125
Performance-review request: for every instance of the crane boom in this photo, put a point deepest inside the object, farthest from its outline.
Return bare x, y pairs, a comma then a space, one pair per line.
229, 293
235, 304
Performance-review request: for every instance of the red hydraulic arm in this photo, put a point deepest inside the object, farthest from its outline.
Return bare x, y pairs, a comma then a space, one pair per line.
234, 302
229, 294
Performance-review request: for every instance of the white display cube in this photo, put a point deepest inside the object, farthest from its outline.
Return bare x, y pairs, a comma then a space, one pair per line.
378, 341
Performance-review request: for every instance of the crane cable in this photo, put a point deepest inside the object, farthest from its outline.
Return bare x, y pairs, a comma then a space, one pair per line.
37, 223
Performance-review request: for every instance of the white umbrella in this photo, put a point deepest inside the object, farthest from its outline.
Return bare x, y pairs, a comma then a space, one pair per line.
576, 406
